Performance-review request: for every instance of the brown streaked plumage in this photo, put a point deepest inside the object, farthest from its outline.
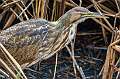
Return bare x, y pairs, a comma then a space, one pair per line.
38, 39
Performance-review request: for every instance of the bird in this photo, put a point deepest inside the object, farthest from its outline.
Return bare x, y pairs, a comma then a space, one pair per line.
36, 40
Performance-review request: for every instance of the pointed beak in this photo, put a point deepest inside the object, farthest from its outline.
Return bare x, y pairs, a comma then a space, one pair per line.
93, 15
98, 15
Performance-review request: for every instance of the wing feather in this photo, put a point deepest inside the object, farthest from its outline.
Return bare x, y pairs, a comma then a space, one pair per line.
24, 33
29, 41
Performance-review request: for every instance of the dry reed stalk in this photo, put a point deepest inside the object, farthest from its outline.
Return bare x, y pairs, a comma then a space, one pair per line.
97, 8
13, 16
42, 8
110, 60
53, 10
117, 48
103, 30
55, 69
21, 8
46, 12
10, 4
106, 9
62, 8
107, 64
7, 68
67, 3
23, 11
72, 2
10, 20
4, 73
39, 8
106, 27
36, 8
104, 35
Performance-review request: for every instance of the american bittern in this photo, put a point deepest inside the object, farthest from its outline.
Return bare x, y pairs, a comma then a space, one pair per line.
38, 39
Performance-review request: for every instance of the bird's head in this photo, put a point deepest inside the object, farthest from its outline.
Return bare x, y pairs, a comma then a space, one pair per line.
81, 13
77, 14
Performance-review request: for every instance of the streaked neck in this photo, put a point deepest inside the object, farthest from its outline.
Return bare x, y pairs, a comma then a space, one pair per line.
62, 22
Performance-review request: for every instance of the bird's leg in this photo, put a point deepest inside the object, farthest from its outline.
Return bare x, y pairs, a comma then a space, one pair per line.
72, 54
75, 62
72, 36
72, 42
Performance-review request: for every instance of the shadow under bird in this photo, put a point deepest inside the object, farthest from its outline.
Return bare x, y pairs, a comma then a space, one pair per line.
38, 39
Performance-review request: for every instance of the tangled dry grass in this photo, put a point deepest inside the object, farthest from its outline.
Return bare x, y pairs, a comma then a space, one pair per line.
91, 44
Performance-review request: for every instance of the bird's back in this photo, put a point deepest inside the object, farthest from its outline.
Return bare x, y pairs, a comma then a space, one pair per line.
27, 40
